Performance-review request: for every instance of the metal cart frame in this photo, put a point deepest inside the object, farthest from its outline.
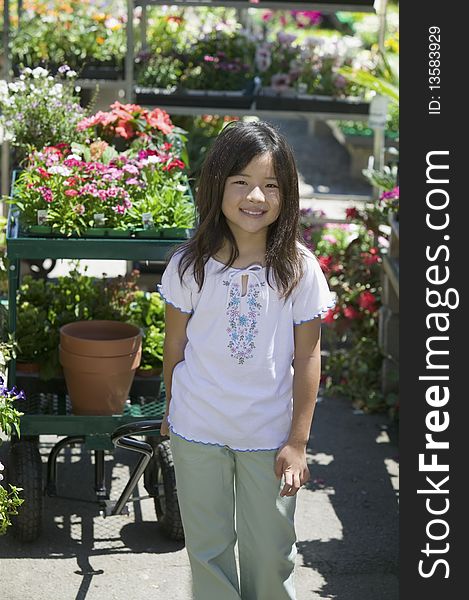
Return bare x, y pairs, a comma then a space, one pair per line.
52, 416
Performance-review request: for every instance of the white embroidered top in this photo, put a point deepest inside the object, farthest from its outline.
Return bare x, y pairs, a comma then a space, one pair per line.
234, 386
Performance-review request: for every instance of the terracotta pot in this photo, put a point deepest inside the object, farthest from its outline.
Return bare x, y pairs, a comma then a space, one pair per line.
27, 367
99, 359
100, 338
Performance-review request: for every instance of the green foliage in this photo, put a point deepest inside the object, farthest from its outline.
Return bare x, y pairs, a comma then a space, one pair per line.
147, 312
9, 421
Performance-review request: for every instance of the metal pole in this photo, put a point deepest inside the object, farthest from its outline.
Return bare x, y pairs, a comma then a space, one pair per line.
5, 146
381, 11
143, 28
379, 137
129, 56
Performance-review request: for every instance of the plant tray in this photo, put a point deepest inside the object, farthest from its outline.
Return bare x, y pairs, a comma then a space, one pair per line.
310, 103
195, 98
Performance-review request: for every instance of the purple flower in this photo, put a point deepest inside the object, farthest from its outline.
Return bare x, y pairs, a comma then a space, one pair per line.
63, 69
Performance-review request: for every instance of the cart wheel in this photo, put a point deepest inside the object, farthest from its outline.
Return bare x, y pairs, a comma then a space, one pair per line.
25, 471
160, 482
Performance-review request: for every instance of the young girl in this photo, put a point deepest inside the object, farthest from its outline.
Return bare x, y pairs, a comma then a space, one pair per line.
243, 301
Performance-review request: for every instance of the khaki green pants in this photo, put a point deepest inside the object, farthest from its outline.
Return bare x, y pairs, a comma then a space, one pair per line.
214, 483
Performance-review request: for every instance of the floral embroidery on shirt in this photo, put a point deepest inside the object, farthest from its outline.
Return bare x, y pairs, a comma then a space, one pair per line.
242, 328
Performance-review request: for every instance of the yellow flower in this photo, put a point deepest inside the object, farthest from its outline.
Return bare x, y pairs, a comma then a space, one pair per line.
99, 17
100, 40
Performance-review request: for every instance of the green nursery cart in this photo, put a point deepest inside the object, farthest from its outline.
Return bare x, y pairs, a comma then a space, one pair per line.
47, 409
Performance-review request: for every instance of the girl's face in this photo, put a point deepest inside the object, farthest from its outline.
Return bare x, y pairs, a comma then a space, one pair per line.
251, 199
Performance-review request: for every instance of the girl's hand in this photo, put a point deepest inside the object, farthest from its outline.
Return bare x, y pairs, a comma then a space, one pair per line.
290, 461
164, 431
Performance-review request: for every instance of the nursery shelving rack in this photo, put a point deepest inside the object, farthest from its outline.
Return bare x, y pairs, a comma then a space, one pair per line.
323, 109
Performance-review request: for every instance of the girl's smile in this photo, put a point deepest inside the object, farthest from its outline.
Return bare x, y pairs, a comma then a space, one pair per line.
251, 199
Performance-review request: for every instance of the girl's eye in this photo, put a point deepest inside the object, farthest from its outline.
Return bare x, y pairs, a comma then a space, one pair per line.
273, 185
240, 181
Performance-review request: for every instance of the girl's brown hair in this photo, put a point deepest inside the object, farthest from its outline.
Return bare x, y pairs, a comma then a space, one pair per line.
232, 151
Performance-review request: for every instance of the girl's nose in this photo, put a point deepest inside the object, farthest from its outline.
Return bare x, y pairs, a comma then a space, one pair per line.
256, 195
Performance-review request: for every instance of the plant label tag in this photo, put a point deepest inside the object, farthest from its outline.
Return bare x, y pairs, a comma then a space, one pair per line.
378, 112
147, 220
99, 220
42, 217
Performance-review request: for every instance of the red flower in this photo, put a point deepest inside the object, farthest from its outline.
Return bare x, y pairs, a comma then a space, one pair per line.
173, 164
367, 301
351, 313
325, 262
351, 213
43, 173
371, 257
330, 315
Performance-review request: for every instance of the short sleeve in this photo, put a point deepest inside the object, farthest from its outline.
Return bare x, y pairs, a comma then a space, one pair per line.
175, 292
312, 297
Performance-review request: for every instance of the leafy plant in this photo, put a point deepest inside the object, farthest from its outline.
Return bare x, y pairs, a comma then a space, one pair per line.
9, 421
147, 312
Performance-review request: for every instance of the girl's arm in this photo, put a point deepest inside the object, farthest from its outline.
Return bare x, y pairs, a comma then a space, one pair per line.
291, 458
175, 341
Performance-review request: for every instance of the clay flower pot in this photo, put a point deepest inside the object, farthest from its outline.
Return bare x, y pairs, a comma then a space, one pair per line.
99, 359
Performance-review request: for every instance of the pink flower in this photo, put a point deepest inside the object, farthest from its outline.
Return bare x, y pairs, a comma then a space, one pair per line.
391, 195
79, 209
46, 193
330, 238
71, 193
267, 15
280, 82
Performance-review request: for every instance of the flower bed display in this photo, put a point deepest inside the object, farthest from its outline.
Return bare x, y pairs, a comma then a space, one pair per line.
351, 255
95, 190
87, 36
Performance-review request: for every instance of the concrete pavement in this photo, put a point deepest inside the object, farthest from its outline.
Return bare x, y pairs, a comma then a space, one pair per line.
347, 526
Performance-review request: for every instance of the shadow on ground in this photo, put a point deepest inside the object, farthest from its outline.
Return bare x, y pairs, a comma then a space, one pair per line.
361, 451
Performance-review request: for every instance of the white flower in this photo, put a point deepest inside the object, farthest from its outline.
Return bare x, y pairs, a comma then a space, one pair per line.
3, 90
71, 73
73, 157
39, 72
56, 90
153, 159
27, 71
13, 87
111, 22
1, 469
59, 170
